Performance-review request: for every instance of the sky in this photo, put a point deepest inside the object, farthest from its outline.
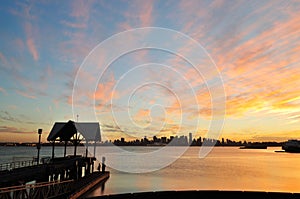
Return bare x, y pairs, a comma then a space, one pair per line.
243, 85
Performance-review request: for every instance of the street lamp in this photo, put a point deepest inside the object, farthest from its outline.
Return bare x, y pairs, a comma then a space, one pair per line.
38, 146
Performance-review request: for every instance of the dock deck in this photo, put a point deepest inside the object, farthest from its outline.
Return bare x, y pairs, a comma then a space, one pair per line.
68, 177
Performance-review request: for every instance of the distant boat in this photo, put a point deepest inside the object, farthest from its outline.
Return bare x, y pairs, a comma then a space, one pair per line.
255, 146
292, 146
157, 144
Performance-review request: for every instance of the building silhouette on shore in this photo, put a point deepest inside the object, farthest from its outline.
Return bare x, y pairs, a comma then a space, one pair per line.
182, 141
162, 141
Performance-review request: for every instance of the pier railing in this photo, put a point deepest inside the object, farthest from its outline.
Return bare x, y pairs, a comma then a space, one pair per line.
23, 163
17, 164
53, 189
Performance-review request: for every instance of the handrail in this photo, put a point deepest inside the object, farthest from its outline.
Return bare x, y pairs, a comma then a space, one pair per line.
22, 163
17, 164
30, 186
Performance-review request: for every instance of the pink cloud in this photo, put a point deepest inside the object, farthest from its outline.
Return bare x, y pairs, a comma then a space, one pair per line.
32, 48
31, 44
2, 90
81, 8
24, 94
145, 14
139, 14
74, 25
3, 59
25, 11
125, 26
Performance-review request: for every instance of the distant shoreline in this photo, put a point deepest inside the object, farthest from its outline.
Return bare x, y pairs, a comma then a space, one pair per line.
12, 144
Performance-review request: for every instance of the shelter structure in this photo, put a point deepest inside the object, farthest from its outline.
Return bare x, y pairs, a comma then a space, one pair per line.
74, 132
57, 177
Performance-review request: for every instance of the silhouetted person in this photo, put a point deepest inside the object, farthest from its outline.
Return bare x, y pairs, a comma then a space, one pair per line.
103, 164
99, 166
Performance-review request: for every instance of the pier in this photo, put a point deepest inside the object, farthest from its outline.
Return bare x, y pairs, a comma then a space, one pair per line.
57, 177
71, 189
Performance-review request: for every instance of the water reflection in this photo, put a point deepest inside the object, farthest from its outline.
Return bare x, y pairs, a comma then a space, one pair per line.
225, 168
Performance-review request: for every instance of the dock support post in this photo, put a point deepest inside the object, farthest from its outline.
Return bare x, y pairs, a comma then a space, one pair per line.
65, 149
75, 143
86, 149
53, 145
95, 148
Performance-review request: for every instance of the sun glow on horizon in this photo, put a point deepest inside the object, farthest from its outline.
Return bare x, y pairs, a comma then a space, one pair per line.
254, 45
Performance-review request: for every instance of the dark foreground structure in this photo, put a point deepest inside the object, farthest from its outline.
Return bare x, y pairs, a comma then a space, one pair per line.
209, 194
70, 176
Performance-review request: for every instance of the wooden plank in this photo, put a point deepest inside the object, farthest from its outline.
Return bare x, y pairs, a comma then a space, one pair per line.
89, 186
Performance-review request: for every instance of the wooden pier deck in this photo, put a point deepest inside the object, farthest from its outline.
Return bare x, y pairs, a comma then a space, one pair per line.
67, 177
59, 177
84, 186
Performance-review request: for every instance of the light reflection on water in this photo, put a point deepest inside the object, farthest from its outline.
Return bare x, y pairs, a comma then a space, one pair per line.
225, 168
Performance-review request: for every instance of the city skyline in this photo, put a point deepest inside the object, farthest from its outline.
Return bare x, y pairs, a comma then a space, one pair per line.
254, 47
183, 140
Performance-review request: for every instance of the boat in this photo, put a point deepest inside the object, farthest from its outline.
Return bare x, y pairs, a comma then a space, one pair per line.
254, 146
292, 146
157, 144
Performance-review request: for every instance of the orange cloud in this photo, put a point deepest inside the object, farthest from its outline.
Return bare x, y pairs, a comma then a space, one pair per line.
105, 91
142, 116
143, 113
262, 74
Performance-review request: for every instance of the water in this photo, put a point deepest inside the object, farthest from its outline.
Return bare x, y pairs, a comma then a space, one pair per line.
225, 168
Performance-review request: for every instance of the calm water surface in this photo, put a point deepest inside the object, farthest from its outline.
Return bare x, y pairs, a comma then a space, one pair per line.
225, 168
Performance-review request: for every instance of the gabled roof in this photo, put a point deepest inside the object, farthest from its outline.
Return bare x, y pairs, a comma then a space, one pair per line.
65, 130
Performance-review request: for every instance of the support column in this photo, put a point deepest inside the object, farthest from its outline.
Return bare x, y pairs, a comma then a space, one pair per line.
86, 149
53, 145
65, 152
75, 143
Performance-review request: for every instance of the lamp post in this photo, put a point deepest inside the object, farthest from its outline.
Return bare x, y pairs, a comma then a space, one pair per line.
38, 146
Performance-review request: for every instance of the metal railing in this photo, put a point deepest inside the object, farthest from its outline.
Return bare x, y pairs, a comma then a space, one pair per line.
23, 163
17, 164
53, 189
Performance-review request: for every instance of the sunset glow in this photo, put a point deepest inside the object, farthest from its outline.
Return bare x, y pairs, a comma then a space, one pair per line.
255, 46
